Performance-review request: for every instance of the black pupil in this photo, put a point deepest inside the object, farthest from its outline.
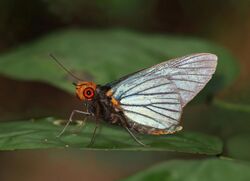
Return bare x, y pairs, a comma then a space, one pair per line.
88, 92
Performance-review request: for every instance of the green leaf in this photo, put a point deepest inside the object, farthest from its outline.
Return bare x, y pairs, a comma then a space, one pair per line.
107, 55
238, 146
228, 121
42, 134
190, 170
232, 106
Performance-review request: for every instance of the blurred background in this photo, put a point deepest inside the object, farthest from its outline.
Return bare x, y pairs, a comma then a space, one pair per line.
27, 25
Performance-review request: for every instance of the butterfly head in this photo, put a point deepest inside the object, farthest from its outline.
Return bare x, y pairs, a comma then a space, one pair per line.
85, 91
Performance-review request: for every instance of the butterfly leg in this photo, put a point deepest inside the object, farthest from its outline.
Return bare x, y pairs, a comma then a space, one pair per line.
134, 137
94, 133
97, 123
70, 120
126, 126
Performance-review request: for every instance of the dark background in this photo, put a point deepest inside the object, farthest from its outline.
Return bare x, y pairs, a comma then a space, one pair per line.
21, 22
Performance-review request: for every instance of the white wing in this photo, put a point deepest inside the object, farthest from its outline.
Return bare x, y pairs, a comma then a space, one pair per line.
153, 102
155, 96
190, 74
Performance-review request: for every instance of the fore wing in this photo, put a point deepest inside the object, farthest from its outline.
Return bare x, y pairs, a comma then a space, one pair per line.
189, 73
155, 96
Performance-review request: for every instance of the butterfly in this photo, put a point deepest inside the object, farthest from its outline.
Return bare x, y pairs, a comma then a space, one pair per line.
149, 101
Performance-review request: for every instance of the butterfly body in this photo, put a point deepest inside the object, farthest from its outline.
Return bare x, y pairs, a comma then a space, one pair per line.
104, 107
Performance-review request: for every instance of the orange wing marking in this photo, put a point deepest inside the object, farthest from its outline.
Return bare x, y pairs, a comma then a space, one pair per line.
115, 103
163, 132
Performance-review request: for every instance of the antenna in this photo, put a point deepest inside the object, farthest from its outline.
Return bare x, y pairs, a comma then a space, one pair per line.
63, 67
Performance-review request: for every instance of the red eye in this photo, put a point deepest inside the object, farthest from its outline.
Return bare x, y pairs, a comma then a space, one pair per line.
88, 93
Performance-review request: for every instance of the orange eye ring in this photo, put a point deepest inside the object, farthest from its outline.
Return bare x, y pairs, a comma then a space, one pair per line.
88, 93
